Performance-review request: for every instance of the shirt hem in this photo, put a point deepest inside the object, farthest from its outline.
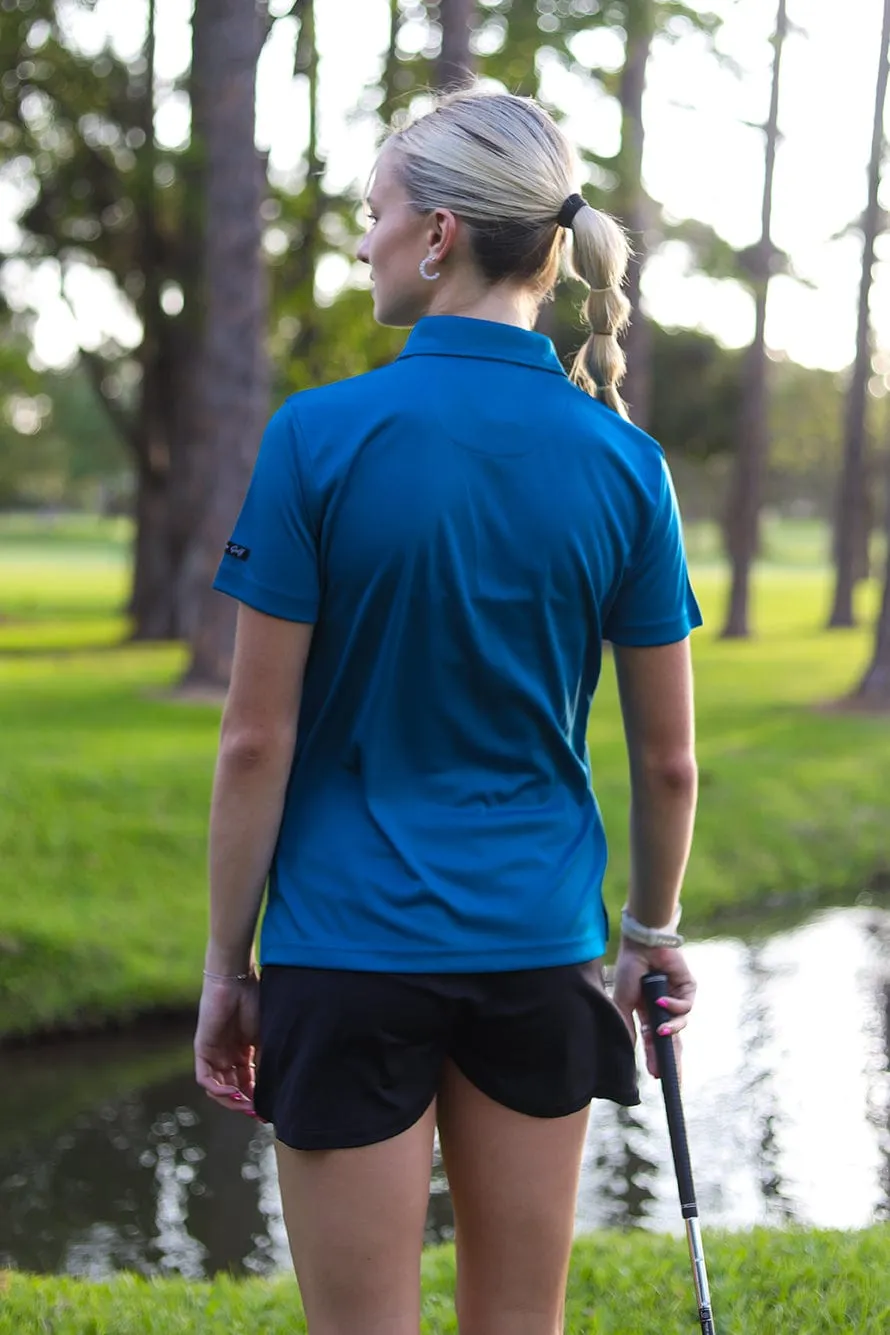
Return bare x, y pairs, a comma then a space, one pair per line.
263, 600
654, 636
538, 956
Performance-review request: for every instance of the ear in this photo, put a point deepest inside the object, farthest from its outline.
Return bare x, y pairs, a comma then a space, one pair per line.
442, 233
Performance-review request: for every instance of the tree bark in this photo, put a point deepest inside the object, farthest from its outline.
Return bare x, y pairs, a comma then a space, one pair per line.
233, 375
168, 497
390, 83
635, 207
184, 349
455, 64
874, 689
746, 489
850, 513
305, 259
152, 600
152, 606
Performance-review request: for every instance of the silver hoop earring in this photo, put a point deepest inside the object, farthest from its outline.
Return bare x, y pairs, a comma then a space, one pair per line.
430, 277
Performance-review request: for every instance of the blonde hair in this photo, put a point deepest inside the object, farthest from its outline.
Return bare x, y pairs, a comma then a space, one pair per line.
503, 165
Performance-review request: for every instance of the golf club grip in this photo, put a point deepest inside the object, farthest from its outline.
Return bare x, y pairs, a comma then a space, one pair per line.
655, 985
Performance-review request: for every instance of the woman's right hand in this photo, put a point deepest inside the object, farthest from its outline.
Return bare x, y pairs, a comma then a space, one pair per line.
633, 963
226, 1041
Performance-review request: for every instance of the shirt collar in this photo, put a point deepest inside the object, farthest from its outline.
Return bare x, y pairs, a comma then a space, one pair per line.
481, 340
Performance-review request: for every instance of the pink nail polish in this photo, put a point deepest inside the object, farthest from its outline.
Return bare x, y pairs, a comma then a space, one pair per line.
663, 1001
664, 1031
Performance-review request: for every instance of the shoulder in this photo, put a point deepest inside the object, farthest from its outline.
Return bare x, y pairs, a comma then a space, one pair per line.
340, 398
635, 457
322, 429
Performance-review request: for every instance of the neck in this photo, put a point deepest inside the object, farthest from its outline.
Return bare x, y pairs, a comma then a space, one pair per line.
502, 304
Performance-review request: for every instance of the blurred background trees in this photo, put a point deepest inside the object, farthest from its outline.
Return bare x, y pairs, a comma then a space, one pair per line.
853, 521
752, 441
202, 251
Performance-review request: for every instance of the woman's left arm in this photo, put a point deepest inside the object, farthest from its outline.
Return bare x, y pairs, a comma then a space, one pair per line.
257, 738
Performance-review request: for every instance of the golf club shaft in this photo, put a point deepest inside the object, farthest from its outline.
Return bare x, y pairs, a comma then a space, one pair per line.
655, 985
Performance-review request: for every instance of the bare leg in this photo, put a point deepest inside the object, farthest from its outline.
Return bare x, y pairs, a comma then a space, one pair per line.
513, 1180
355, 1220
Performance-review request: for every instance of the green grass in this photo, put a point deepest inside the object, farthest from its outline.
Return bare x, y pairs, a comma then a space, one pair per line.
43, 530
796, 1283
62, 582
105, 782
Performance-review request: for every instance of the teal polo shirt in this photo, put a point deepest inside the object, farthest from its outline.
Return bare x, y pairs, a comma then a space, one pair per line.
464, 528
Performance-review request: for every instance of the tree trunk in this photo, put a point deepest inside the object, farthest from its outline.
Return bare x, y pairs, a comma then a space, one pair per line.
455, 65
874, 689
305, 349
391, 82
746, 489
151, 606
189, 485
635, 207
152, 600
233, 375
849, 513
167, 504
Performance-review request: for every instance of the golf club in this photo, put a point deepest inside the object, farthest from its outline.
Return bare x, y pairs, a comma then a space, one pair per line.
655, 985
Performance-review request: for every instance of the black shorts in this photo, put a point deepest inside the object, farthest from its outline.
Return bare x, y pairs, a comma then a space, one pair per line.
351, 1058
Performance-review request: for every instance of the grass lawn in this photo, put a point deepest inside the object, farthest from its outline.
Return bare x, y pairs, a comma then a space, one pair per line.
796, 1283
104, 783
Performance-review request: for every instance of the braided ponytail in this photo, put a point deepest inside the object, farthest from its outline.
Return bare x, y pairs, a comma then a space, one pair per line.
600, 255
504, 166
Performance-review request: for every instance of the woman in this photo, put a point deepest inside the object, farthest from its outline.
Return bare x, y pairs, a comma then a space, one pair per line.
428, 561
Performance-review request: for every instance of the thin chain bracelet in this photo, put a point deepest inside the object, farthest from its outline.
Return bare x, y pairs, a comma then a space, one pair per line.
229, 977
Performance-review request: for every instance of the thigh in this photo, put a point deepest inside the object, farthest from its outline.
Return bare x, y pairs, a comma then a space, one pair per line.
514, 1180
355, 1222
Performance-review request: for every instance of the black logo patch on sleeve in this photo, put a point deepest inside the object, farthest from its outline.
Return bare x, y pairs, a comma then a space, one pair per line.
235, 549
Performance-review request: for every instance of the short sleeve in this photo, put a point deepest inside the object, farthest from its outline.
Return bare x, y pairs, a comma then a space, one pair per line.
654, 603
271, 559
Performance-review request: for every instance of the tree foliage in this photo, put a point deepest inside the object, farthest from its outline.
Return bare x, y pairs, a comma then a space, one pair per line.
101, 195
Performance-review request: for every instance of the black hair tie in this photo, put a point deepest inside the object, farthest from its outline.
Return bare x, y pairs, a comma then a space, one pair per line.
571, 206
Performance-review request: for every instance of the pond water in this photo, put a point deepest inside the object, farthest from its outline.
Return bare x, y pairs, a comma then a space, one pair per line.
110, 1159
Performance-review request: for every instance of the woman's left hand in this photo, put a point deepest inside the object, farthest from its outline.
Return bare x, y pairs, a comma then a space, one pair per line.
226, 1041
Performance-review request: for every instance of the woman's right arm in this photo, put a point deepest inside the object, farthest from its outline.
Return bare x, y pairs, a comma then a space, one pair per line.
655, 686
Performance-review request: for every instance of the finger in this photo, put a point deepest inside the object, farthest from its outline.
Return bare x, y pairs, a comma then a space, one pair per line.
651, 1059
228, 1095
238, 1104
214, 1081
217, 1089
245, 1074
670, 1028
677, 1005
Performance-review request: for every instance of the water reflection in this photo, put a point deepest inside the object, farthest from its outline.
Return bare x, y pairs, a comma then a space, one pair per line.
760, 1093
879, 1093
785, 1069
786, 1087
